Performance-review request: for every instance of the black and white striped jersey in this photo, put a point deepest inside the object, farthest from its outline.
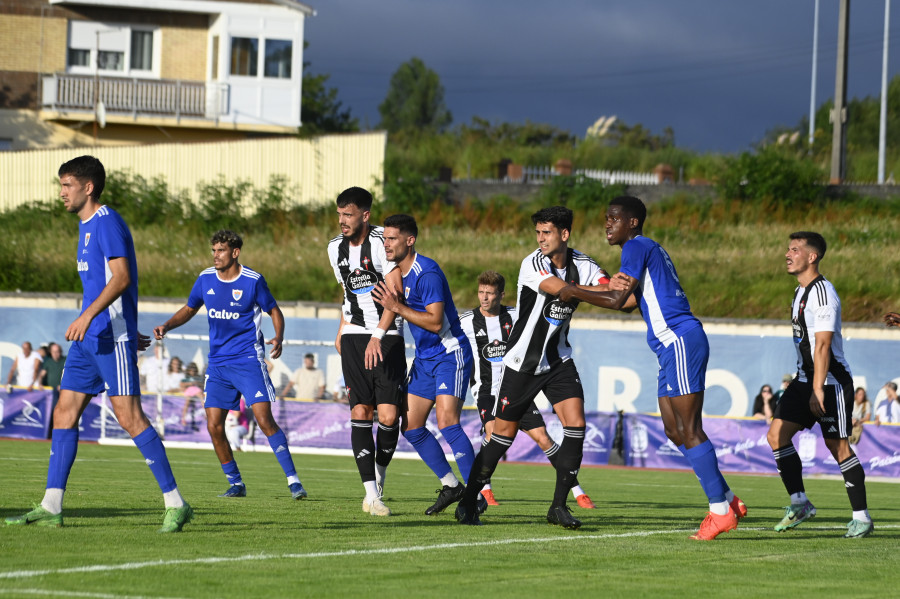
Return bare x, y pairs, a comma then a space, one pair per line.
488, 336
539, 338
358, 269
817, 308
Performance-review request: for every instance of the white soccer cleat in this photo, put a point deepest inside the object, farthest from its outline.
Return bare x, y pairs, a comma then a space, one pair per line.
375, 506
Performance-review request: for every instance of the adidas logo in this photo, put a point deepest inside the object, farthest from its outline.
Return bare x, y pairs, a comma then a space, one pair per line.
848, 484
387, 451
149, 462
481, 333
280, 449
832, 429
344, 262
458, 454
442, 387
258, 394
210, 292
362, 454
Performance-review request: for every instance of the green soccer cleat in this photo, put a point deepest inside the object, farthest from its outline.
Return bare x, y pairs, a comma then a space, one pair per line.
857, 529
176, 518
794, 515
38, 516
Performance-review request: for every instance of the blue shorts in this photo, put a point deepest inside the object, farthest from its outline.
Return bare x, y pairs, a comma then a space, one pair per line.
444, 375
682, 365
225, 383
95, 365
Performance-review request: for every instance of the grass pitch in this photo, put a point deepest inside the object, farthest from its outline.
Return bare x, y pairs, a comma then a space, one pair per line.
266, 545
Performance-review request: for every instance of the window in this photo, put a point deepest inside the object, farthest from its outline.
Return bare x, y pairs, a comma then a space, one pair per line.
244, 56
278, 59
79, 58
142, 50
111, 61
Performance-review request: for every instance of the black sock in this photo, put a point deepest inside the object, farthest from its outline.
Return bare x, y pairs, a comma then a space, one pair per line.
386, 442
855, 482
568, 461
485, 463
363, 448
552, 453
790, 468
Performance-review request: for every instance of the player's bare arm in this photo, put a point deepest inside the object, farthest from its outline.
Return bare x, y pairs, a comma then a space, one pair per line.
892, 319
337, 339
430, 320
115, 287
821, 363
276, 341
184, 314
618, 296
373, 350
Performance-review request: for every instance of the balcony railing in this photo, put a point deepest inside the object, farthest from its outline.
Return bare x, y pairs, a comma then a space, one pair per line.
136, 97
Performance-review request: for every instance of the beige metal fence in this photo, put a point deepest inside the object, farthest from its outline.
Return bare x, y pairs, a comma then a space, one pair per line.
317, 169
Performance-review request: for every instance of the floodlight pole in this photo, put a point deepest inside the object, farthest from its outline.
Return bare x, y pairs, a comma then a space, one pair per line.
839, 113
812, 87
882, 128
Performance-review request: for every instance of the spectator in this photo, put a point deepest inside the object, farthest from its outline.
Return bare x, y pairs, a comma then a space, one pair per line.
51, 376
174, 376
862, 412
26, 369
785, 381
192, 386
153, 371
340, 391
889, 409
308, 380
237, 426
764, 404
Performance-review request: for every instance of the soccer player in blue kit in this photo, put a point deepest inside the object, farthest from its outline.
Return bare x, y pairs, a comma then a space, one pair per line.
443, 362
235, 298
681, 347
105, 342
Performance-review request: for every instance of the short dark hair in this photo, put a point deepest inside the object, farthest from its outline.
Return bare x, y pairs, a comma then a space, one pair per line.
559, 216
309, 357
228, 237
357, 196
403, 223
86, 168
813, 240
633, 207
492, 278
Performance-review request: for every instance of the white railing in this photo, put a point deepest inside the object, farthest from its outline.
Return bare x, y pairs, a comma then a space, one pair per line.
136, 97
540, 174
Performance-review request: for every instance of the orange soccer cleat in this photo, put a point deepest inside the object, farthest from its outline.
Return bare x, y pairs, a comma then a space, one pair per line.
585, 502
714, 525
489, 497
740, 510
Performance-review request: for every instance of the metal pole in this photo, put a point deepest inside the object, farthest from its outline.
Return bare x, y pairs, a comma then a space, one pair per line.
839, 114
812, 87
882, 129
96, 85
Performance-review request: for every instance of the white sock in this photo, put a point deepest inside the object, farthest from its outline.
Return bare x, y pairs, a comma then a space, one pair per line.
486, 487
577, 491
173, 498
380, 474
293, 479
371, 489
53, 500
798, 498
862, 516
729, 495
449, 480
719, 508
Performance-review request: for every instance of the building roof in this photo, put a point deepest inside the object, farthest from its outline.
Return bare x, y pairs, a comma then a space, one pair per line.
193, 6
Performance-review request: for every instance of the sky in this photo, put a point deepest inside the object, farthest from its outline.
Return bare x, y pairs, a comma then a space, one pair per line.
719, 72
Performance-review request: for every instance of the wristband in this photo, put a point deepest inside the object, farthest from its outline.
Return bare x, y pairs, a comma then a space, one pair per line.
378, 334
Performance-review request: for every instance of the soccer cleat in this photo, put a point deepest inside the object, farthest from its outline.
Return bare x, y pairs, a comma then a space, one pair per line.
466, 516
38, 516
235, 491
176, 518
561, 515
794, 515
857, 529
375, 506
297, 491
488, 495
585, 502
739, 508
714, 525
446, 497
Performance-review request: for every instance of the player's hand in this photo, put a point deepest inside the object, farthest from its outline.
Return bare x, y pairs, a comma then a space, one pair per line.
160, 331
619, 282
143, 341
373, 353
567, 293
275, 352
386, 296
817, 403
78, 328
892, 319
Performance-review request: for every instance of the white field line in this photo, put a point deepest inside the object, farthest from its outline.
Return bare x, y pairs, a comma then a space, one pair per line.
52, 593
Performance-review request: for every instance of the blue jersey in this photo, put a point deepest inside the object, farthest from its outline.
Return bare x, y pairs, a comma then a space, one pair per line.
663, 303
426, 284
234, 309
100, 238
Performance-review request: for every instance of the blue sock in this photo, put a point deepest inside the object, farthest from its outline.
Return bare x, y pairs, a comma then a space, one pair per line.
278, 443
462, 449
232, 473
706, 467
63, 447
429, 450
155, 455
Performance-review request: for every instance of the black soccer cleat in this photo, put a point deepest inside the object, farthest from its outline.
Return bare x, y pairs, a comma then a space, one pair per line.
561, 515
481, 504
446, 497
466, 515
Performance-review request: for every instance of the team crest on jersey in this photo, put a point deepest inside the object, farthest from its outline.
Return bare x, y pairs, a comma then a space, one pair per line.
557, 312
87, 238
237, 293
361, 281
504, 402
494, 351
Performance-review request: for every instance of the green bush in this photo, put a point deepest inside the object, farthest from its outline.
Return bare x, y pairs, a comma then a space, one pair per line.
771, 174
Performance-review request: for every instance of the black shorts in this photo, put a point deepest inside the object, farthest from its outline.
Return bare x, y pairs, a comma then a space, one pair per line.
793, 406
531, 420
518, 390
384, 384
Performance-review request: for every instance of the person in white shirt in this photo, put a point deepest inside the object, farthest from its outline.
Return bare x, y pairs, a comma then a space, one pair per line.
889, 408
25, 368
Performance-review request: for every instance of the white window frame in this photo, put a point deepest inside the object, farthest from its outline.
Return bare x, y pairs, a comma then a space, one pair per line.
262, 42
127, 71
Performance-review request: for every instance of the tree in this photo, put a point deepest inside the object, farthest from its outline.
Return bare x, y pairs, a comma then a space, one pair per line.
415, 100
320, 110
